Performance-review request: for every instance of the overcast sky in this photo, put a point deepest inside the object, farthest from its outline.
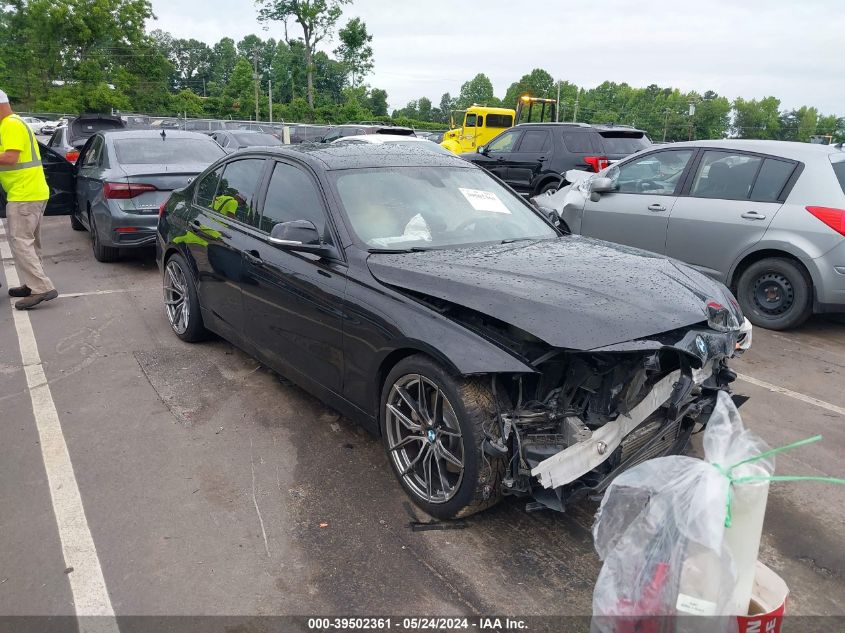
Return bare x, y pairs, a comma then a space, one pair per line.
749, 48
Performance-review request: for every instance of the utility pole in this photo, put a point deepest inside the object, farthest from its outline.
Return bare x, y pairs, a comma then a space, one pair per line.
691, 115
270, 97
557, 107
255, 79
665, 122
575, 114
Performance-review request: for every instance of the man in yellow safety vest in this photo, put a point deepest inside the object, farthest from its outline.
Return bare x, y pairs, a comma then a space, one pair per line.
22, 178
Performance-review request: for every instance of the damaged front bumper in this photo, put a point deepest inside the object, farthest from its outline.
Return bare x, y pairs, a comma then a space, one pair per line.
616, 407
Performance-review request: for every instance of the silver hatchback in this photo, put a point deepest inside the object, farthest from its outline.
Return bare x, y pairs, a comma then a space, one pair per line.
767, 218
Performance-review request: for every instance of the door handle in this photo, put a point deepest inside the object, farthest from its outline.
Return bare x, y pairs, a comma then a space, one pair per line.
656, 207
253, 257
753, 215
197, 226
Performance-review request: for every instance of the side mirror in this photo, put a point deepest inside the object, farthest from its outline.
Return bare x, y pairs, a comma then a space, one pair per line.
481, 149
602, 185
299, 235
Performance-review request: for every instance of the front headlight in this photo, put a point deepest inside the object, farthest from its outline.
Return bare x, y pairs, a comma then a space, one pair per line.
721, 318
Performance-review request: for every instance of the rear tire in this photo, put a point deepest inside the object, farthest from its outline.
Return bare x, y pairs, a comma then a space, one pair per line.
75, 224
549, 187
181, 302
102, 253
775, 293
435, 449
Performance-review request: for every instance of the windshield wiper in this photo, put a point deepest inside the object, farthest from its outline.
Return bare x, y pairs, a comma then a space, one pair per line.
517, 239
414, 249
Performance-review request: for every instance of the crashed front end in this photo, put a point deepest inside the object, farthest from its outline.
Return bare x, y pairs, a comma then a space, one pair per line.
585, 416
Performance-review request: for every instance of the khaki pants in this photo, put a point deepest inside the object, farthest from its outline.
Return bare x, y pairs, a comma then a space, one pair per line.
25, 233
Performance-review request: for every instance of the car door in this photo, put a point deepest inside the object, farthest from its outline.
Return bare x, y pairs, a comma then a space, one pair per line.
61, 180
637, 212
732, 199
292, 300
526, 162
219, 229
88, 175
497, 153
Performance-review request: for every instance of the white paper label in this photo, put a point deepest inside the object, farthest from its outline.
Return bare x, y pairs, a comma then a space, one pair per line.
694, 606
484, 200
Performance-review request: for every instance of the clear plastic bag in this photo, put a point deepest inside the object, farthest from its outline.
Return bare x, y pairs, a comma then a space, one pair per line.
660, 531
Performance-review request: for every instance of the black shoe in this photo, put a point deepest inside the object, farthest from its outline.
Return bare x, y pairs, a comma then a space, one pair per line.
33, 300
20, 291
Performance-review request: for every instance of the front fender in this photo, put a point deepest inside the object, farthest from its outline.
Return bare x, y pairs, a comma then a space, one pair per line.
452, 145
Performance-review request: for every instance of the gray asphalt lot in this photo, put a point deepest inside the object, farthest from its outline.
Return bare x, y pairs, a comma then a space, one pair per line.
205, 479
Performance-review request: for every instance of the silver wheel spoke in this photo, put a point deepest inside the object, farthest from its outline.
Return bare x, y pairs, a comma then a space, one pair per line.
427, 475
423, 451
447, 431
445, 454
407, 442
408, 399
443, 483
404, 419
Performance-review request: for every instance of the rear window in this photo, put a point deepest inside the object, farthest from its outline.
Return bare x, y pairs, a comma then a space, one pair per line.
155, 151
771, 180
253, 140
839, 170
624, 142
499, 120
83, 129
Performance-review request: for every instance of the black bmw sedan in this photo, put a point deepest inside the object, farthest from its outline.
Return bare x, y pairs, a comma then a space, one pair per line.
417, 294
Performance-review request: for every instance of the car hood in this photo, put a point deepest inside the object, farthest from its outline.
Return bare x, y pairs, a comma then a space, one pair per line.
573, 292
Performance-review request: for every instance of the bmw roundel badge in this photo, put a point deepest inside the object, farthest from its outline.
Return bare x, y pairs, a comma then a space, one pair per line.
702, 346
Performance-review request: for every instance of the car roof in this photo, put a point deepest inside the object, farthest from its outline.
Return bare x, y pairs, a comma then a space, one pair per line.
382, 138
787, 149
331, 157
123, 133
586, 126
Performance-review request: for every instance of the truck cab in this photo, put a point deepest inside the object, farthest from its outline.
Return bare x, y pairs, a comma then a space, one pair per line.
480, 125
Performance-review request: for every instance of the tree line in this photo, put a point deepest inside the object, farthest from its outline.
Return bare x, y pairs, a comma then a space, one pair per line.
97, 56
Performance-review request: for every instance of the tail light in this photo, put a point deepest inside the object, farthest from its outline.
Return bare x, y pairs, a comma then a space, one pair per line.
125, 190
72, 155
597, 162
161, 208
834, 218
126, 229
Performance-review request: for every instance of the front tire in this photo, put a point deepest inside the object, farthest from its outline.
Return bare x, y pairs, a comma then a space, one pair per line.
775, 293
433, 426
181, 302
549, 188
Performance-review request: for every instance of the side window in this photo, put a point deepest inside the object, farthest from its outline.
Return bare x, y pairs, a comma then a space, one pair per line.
578, 142
54, 140
771, 180
480, 121
504, 142
293, 195
656, 174
236, 193
499, 120
92, 154
534, 141
725, 175
207, 187
469, 121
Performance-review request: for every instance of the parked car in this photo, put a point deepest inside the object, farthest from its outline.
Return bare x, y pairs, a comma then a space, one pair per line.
766, 218
413, 292
67, 140
357, 129
531, 157
121, 180
34, 123
49, 127
392, 139
233, 140
304, 133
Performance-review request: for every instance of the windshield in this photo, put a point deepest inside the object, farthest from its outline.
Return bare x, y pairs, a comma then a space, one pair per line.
256, 139
399, 208
171, 151
624, 142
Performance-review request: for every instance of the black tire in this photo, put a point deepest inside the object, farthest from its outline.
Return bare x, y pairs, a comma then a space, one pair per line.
478, 484
775, 293
102, 253
192, 330
75, 224
553, 185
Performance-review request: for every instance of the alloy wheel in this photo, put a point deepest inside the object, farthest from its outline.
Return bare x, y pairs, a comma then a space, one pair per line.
424, 438
176, 300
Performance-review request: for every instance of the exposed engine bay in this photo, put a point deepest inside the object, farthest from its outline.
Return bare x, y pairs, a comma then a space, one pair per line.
586, 416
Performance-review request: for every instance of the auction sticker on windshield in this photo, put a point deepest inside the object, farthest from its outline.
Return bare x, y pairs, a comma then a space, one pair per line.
484, 200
